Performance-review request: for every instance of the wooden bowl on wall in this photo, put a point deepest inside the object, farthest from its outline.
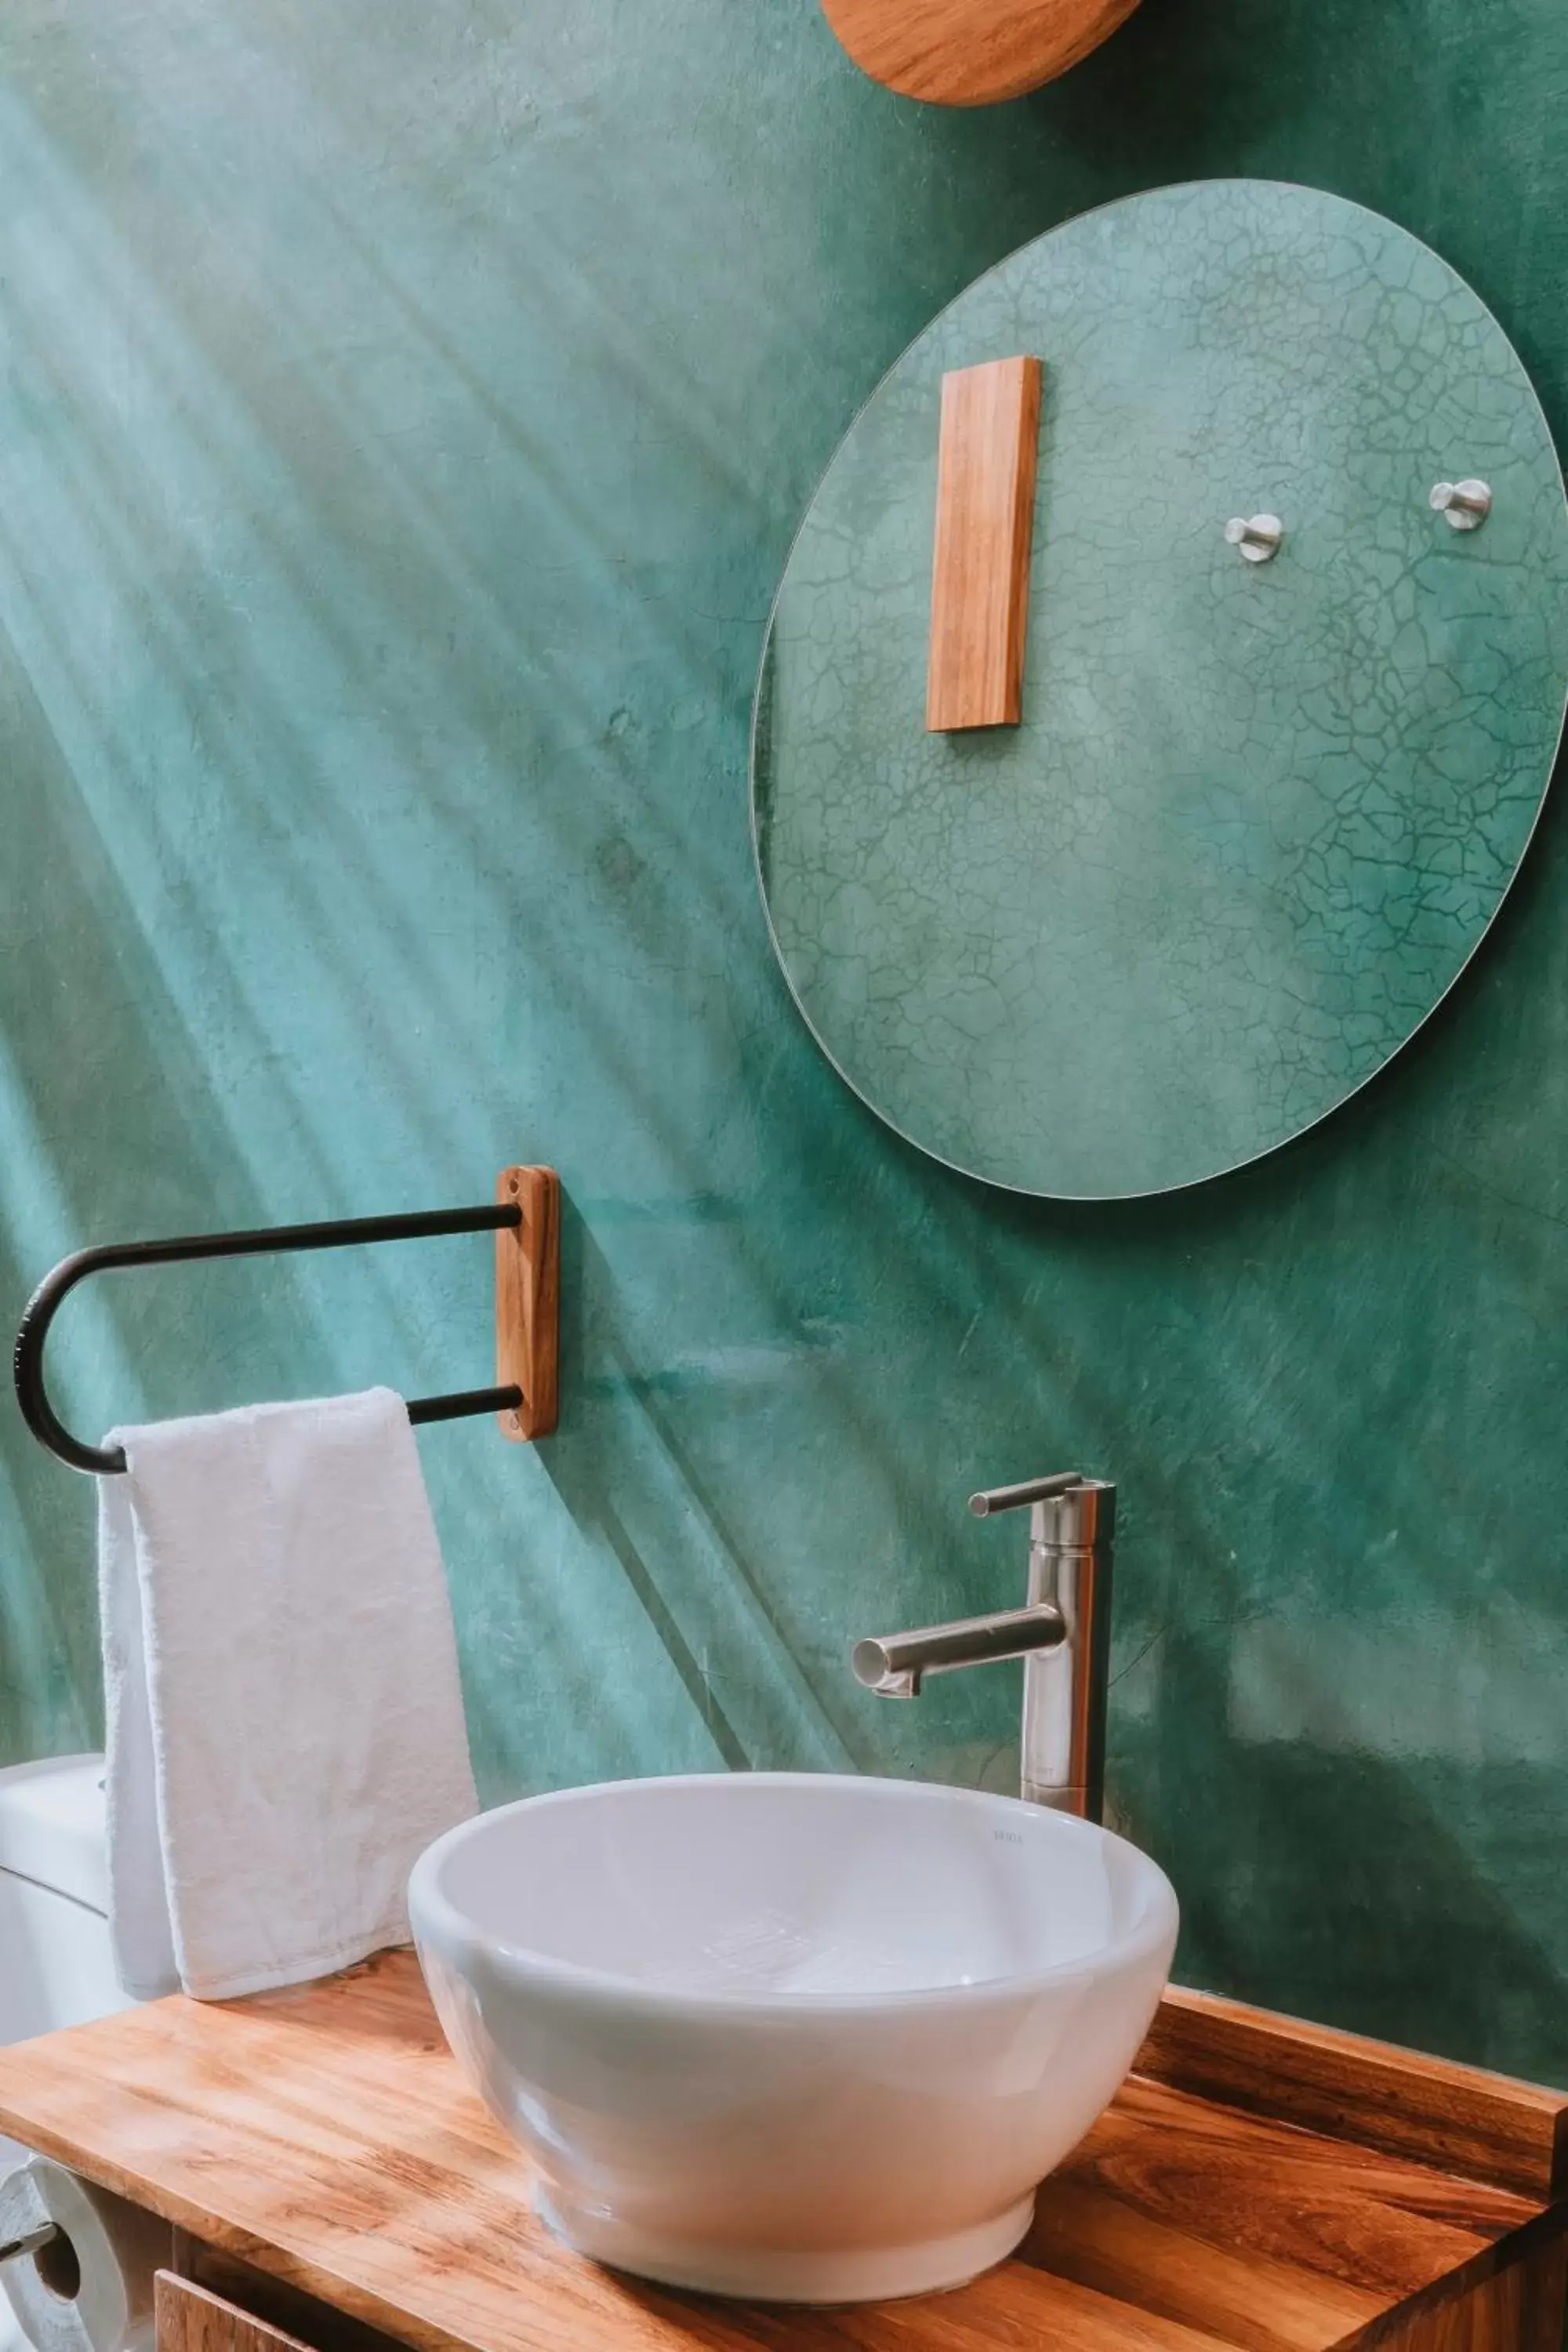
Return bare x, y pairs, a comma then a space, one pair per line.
970, 52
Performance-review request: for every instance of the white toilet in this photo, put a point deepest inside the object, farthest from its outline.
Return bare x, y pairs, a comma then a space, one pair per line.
56, 1963
57, 1967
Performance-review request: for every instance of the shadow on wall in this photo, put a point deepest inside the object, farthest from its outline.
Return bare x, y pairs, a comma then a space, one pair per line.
1364, 1889
56, 1061
627, 1469
210, 1094
405, 418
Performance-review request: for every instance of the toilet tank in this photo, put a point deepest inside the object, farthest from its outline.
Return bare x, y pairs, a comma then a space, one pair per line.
56, 1964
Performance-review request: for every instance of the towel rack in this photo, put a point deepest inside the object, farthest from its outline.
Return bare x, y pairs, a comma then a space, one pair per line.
526, 1221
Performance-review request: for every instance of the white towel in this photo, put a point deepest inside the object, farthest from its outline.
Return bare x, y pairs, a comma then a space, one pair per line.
285, 1726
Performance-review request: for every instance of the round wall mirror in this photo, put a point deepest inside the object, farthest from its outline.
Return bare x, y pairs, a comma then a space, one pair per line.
1296, 654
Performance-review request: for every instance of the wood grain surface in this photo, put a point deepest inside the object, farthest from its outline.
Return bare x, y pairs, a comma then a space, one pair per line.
1519, 2310
189, 2319
287, 2309
324, 2135
980, 562
1458, 2118
528, 1300
970, 52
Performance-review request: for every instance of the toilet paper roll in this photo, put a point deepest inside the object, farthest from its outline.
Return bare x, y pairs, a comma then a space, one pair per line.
90, 2288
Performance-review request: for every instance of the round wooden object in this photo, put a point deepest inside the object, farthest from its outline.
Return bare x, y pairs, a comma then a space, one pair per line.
970, 52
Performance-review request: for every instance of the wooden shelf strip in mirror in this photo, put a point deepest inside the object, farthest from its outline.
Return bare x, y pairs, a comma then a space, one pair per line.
528, 1300
980, 564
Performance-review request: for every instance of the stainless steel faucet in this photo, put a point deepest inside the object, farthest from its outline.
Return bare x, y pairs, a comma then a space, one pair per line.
1063, 1636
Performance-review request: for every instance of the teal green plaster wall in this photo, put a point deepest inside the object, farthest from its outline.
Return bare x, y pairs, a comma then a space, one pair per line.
404, 410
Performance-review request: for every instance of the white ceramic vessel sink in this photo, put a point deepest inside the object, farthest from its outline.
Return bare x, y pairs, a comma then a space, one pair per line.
789, 2035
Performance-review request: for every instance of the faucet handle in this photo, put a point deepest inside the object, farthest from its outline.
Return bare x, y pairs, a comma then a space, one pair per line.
1033, 1490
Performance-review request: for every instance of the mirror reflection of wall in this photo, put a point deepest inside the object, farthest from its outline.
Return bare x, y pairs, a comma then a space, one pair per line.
1257, 813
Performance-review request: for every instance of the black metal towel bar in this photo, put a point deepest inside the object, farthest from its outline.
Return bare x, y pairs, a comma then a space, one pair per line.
45, 1424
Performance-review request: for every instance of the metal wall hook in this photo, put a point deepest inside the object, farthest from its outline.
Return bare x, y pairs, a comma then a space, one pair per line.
1464, 506
1258, 536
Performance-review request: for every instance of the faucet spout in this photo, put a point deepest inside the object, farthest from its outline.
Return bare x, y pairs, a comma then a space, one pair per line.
1063, 1636
895, 1664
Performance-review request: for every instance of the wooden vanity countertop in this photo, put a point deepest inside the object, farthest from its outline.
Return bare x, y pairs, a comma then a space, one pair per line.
1257, 2184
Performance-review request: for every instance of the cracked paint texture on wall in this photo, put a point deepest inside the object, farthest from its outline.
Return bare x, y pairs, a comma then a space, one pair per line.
1256, 818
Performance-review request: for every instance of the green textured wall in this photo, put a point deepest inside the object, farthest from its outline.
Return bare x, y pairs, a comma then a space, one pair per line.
405, 413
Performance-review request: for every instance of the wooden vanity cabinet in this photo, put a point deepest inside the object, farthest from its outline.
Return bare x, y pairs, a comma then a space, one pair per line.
1257, 2185
191, 2319
213, 2301
1519, 2309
